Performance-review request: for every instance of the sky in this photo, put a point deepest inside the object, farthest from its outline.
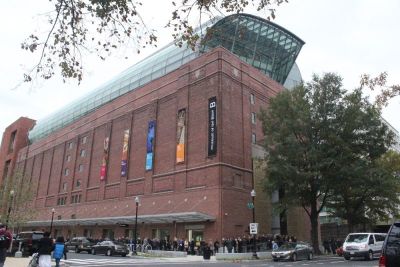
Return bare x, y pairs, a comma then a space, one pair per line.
348, 37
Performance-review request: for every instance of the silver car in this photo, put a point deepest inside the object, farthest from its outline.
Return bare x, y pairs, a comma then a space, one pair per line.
293, 252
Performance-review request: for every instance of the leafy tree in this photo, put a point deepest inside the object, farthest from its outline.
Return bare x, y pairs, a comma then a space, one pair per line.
379, 82
17, 208
102, 26
310, 136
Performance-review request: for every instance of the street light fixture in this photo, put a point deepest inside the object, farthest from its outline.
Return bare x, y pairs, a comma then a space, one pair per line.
137, 200
52, 217
253, 195
10, 206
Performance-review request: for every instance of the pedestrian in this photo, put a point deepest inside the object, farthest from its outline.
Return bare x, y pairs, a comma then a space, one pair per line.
5, 241
45, 247
60, 250
216, 247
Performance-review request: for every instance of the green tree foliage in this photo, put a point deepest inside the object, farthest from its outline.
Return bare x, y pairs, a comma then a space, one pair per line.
370, 193
102, 26
311, 133
17, 207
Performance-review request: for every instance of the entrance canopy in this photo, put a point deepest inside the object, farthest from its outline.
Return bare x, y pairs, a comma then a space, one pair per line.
149, 219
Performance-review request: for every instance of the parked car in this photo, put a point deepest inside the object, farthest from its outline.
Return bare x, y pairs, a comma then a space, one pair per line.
390, 256
365, 245
79, 244
29, 241
110, 248
293, 252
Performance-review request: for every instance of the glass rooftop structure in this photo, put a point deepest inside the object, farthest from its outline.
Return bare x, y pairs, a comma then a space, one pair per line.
261, 43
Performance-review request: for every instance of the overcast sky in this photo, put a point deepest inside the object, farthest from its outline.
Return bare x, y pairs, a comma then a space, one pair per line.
349, 37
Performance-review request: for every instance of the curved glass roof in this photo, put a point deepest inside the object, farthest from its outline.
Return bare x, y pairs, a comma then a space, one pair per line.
261, 43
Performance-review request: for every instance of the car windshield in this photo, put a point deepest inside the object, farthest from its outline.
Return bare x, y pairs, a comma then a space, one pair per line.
357, 238
287, 246
119, 243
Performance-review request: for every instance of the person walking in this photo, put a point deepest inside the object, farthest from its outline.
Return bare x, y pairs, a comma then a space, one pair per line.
60, 250
45, 247
5, 241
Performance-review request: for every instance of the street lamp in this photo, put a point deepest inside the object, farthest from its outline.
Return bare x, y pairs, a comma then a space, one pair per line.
10, 206
137, 200
253, 195
52, 217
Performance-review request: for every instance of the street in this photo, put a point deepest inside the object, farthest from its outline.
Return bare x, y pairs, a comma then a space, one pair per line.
88, 260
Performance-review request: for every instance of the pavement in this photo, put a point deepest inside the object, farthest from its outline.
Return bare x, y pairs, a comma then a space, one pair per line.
23, 262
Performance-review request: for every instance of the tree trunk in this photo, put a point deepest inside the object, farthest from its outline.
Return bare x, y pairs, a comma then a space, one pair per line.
314, 228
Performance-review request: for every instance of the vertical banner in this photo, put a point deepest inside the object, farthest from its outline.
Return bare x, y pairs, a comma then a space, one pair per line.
212, 126
180, 136
103, 170
124, 157
150, 145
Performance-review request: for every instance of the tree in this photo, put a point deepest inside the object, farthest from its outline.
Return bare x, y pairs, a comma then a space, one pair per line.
308, 144
101, 26
17, 207
379, 82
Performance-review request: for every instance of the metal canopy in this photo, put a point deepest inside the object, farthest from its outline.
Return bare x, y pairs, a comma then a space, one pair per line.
149, 219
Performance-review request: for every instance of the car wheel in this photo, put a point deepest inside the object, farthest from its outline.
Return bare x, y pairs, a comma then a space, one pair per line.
275, 259
370, 255
77, 250
123, 255
93, 251
347, 257
294, 257
310, 256
109, 252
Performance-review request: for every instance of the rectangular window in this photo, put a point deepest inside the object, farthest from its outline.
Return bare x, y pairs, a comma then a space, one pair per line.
70, 145
78, 183
253, 118
12, 141
68, 158
84, 140
253, 138
252, 99
66, 172
65, 185
6, 168
83, 153
81, 168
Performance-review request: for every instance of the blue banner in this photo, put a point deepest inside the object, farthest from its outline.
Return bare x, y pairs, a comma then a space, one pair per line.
150, 145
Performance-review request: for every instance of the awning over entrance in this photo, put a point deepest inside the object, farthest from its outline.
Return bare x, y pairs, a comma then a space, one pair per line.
149, 219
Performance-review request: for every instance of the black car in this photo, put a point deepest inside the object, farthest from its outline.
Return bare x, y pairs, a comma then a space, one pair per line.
293, 252
79, 244
390, 256
29, 242
110, 248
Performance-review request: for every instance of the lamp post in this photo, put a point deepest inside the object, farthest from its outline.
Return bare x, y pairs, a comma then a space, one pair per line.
52, 217
253, 195
10, 206
137, 200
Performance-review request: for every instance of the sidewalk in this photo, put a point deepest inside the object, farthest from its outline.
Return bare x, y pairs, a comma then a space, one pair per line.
16, 262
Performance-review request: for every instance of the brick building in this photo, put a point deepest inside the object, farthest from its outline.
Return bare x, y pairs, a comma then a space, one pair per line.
179, 130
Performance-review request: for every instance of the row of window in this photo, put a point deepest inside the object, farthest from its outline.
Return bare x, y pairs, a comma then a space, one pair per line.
62, 201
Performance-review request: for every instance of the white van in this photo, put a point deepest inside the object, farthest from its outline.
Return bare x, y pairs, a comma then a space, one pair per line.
365, 245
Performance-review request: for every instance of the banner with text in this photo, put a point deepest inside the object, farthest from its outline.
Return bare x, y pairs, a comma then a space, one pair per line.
212, 126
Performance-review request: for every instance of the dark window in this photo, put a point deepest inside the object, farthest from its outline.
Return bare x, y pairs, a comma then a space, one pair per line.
12, 141
253, 118
253, 138
252, 99
6, 168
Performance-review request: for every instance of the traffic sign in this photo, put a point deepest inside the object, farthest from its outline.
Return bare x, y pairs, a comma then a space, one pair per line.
253, 228
250, 205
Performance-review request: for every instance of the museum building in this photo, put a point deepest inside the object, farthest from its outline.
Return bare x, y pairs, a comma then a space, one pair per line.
177, 131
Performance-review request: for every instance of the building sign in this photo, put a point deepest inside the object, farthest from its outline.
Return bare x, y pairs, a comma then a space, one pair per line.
150, 145
124, 157
212, 126
103, 169
253, 228
180, 136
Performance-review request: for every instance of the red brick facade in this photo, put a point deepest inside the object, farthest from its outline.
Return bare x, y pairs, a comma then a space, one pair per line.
218, 186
